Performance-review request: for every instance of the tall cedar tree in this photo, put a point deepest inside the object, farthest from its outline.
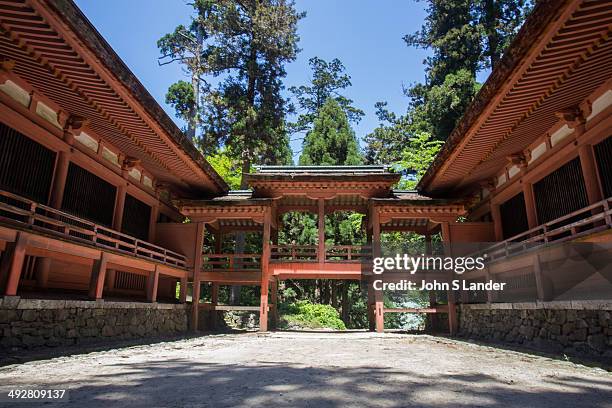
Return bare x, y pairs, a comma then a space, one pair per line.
331, 140
328, 80
465, 37
243, 46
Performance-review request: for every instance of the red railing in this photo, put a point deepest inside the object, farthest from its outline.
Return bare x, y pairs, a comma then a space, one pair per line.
231, 262
309, 253
347, 253
28, 214
294, 253
589, 220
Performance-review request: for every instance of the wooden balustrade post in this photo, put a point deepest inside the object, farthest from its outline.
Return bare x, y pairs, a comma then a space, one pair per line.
12, 264
152, 285
98, 274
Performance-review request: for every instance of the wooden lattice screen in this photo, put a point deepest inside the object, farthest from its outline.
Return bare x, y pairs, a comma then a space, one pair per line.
136, 218
561, 192
603, 155
88, 196
514, 216
26, 167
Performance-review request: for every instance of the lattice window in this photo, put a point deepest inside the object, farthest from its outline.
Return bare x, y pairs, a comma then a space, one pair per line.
88, 196
26, 167
514, 216
603, 155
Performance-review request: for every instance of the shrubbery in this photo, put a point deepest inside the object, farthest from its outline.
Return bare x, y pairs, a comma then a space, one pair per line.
308, 315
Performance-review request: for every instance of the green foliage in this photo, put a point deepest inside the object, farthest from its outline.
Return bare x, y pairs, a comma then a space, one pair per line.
331, 140
227, 167
328, 79
308, 315
417, 157
181, 97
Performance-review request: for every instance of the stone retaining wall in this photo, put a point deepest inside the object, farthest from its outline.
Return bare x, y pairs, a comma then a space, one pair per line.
29, 323
573, 328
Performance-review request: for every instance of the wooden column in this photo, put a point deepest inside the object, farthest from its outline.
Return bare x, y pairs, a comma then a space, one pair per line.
370, 289
98, 273
152, 285
497, 223
214, 300
197, 269
452, 307
12, 264
379, 313
530, 207
265, 278
321, 225
589, 172
59, 179
153, 222
117, 225
428, 250
119, 206
60, 174
183, 290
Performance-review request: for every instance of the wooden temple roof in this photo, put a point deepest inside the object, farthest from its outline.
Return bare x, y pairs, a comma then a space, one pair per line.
561, 56
59, 53
326, 182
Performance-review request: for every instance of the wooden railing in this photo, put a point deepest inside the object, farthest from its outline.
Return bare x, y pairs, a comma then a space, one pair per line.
231, 262
347, 253
28, 214
588, 220
309, 253
294, 253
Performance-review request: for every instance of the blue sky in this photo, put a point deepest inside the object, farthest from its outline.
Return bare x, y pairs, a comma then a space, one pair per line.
366, 35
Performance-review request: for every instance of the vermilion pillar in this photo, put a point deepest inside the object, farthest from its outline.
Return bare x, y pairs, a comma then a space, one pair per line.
321, 225
497, 222
98, 273
265, 277
452, 307
589, 172
379, 312
152, 285
197, 269
530, 208
12, 264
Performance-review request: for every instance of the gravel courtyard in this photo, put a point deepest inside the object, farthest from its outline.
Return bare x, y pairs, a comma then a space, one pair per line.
313, 370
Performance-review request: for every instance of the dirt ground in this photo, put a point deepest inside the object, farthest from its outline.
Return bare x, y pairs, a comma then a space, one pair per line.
312, 370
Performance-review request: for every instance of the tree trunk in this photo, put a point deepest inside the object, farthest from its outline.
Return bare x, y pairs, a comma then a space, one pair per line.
345, 303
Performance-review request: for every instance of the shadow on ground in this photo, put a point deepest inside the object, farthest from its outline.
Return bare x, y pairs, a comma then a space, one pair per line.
181, 382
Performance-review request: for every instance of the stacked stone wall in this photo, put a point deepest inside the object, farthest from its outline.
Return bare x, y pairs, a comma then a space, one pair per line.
30, 323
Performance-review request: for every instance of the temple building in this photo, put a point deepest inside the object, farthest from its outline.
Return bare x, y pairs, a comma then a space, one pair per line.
103, 197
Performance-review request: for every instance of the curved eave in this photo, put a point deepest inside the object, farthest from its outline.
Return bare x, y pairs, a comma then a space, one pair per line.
82, 29
545, 13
